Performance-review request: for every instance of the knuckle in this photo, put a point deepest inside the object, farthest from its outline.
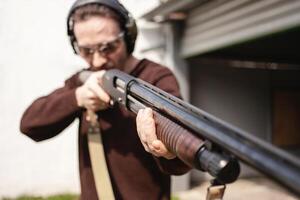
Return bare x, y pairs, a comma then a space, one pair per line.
147, 149
143, 139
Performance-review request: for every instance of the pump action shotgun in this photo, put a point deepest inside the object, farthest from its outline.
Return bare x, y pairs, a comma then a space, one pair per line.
199, 139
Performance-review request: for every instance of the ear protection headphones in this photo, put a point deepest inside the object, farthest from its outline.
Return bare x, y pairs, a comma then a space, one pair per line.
129, 27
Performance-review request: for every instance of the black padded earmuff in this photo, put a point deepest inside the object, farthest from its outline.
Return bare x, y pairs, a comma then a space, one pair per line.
129, 26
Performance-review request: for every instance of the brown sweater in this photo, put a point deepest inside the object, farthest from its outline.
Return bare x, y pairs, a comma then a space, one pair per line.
135, 174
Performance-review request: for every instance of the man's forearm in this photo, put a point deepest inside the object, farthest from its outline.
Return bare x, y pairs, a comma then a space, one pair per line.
49, 115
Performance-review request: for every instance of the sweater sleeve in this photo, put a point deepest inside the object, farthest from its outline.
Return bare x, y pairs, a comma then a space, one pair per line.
47, 116
164, 79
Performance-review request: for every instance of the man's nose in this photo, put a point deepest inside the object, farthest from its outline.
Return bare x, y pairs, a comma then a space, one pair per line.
98, 60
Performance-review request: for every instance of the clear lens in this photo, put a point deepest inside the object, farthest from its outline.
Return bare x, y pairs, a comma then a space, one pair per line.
103, 48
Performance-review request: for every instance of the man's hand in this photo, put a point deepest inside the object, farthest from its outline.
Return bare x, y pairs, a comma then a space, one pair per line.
147, 133
91, 95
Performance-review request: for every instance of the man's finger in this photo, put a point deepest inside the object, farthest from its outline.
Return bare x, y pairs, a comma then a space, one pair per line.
99, 75
101, 94
160, 149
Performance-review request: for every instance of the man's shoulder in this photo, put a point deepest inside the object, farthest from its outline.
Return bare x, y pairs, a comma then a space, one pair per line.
151, 65
148, 69
159, 76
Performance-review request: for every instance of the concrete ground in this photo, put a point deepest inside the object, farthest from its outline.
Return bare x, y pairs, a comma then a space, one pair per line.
243, 189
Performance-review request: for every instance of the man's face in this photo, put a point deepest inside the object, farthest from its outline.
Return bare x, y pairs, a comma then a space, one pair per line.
100, 42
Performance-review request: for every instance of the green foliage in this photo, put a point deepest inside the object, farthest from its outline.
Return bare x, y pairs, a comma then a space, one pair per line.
63, 197
174, 198
55, 197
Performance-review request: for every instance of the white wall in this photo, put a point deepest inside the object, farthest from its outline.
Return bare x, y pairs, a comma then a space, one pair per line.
35, 58
239, 96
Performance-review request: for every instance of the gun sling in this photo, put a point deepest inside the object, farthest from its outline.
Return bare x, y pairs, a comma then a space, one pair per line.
99, 167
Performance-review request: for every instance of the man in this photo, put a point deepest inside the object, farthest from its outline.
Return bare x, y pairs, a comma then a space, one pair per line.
103, 33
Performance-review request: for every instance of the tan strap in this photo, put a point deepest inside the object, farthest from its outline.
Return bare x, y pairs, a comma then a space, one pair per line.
215, 192
98, 161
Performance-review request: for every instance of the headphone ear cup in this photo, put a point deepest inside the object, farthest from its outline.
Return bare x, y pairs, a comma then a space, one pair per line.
131, 33
72, 41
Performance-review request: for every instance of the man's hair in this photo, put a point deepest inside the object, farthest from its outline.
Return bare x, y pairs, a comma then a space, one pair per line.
90, 10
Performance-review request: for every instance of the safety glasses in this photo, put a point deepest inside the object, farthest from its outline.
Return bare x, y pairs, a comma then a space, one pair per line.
103, 48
